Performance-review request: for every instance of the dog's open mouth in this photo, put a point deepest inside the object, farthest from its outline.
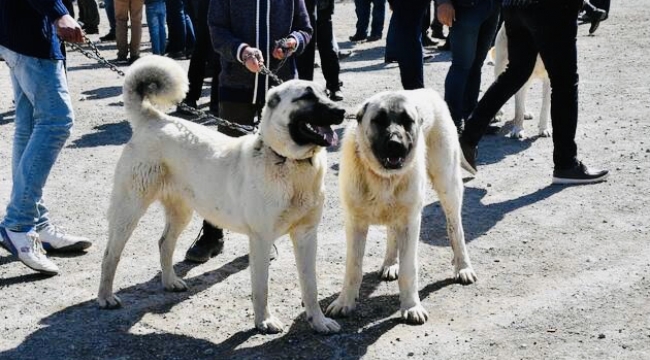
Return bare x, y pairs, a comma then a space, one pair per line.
393, 163
319, 135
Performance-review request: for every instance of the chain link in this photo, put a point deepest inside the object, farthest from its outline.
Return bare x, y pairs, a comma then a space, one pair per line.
95, 55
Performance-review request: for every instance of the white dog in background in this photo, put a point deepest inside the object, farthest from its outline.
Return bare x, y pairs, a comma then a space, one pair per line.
399, 138
263, 185
500, 57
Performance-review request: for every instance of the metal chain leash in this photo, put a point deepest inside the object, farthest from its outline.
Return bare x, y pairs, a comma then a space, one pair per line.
206, 118
95, 55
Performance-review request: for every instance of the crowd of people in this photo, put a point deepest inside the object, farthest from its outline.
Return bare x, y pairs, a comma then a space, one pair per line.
235, 39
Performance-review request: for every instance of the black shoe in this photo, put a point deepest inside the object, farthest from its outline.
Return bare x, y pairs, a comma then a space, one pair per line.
357, 37
121, 60
91, 30
207, 245
373, 38
108, 37
344, 54
594, 16
492, 130
133, 59
188, 107
178, 55
579, 174
390, 60
468, 158
427, 41
336, 95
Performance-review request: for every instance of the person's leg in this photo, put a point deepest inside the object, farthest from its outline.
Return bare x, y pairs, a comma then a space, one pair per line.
463, 36
214, 86
486, 34
122, 28
196, 71
408, 18
175, 27
378, 17
305, 62
557, 47
109, 6
362, 9
152, 24
92, 17
436, 25
390, 51
190, 35
136, 27
328, 56
522, 54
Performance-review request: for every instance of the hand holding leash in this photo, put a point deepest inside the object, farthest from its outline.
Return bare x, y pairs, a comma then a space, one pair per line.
284, 48
252, 58
68, 29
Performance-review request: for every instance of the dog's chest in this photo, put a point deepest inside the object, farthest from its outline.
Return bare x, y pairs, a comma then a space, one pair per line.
385, 202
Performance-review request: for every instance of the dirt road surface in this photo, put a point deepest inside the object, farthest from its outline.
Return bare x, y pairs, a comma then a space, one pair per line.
564, 272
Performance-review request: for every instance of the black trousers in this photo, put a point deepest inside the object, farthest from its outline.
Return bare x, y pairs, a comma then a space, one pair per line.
202, 55
550, 29
323, 39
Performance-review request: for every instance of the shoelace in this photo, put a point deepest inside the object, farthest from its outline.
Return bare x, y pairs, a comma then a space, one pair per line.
37, 246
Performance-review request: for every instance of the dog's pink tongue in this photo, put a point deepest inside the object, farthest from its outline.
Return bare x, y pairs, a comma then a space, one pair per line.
332, 138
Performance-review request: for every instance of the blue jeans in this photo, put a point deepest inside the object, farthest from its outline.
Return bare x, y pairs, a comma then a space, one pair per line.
110, 14
156, 14
181, 31
43, 121
471, 37
362, 8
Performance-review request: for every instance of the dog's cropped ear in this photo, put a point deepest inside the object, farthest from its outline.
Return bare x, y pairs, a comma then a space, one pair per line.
420, 119
273, 101
362, 111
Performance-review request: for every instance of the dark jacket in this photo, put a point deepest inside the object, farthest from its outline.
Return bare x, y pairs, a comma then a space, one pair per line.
27, 27
233, 23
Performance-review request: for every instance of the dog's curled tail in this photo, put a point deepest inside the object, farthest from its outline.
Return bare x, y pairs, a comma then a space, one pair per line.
153, 80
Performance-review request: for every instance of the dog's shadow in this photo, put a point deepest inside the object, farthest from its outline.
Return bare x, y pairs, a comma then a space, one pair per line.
478, 218
106, 134
83, 331
103, 93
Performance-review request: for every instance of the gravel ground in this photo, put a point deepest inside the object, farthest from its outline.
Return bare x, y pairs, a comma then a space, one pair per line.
564, 272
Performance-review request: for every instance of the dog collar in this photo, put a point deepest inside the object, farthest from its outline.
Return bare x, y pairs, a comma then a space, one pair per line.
283, 159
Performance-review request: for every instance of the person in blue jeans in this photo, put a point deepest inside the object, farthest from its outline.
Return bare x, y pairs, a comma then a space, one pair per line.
181, 30
362, 9
156, 13
43, 120
472, 26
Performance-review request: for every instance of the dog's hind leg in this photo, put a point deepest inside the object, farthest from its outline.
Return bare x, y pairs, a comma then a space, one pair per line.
545, 113
390, 267
178, 215
356, 235
126, 210
443, 166
305, 242
517, 131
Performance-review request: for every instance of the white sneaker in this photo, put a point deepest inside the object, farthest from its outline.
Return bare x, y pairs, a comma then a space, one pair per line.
28, 249
53, 238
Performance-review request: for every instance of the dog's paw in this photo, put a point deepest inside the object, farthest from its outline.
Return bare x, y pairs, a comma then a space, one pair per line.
466, 276
528, 116
416, 315
340, 308
544, 133
324, 325
175, 285
109, 302
390, 273
270, 325
517, 133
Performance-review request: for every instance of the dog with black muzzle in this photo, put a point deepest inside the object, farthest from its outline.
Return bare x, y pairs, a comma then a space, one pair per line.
263, 185
400, 138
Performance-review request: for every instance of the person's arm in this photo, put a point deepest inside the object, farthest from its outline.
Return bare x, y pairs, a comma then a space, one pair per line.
224, 41
53, 9
66, 27
301, 30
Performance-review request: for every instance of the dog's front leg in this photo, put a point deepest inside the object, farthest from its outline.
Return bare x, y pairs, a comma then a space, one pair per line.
408, 235
356, 234
390, 268
265, 322
305, 243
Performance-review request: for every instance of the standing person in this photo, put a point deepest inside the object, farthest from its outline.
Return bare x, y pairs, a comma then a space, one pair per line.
245, 39
472, 25
43, 120
362, 9
109, 7
156, 13
321, 21
89, 16
548, 28
123, 10
181, 30
202, 55
406, 41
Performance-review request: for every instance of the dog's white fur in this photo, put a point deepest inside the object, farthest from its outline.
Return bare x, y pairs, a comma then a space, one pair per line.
373, 195
501, 62
234, 183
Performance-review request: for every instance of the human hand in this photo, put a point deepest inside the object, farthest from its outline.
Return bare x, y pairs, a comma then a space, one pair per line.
285, 48
252, 59
446, 13
68, 29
